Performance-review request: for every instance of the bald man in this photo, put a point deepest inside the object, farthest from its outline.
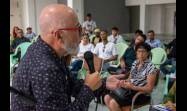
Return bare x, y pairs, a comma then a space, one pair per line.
43, 74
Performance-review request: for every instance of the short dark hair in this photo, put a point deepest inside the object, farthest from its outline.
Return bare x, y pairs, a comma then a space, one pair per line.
139, 31
145, 46
29, 28
85, 34
151, 31
104, 30
89, 15
143, 36
115, 28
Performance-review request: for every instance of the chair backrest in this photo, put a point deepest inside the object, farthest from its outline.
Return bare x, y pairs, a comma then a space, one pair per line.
158, 56
23, 48
121, 48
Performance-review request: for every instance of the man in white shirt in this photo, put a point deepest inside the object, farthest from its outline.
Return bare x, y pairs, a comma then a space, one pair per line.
89, 25
105, 50
115, 37
84, 46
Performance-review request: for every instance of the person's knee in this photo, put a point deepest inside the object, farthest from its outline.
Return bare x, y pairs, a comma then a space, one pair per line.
113, 103
107, 99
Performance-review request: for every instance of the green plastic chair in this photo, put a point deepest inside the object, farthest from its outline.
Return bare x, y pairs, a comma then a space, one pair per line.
14, 59
23, 47
158, 56
121, 48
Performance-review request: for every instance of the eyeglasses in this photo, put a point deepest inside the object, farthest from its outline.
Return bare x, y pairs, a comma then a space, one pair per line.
79, 28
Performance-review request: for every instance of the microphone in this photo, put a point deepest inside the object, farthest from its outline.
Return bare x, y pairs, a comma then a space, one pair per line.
88, 56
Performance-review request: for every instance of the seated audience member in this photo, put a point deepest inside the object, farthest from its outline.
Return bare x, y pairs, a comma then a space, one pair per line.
95, 38
89, 25
170, 99
142, 78
30, 35
154, 43
115, 37
136, 34
105, 50
130, 55
15, 31
171, 58
18, 40
84, 46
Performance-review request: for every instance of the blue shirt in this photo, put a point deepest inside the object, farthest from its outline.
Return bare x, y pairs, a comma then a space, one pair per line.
30, 36
43, 75
154, 43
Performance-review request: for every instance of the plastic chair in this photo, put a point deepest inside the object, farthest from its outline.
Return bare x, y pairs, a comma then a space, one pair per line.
121, 48
158, 56
150, 102
23, 47
18, 54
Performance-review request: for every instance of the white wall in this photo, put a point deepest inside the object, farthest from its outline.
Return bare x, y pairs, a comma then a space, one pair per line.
78, 6
154, 18
15, 14
169, 18
160, 18
148, 2
28, 13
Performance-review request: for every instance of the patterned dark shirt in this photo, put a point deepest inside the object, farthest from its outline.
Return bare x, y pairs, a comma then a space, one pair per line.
44, 76
139, 76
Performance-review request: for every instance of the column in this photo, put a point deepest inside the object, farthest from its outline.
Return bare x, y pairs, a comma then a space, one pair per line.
29, 14
78, 6
142, 15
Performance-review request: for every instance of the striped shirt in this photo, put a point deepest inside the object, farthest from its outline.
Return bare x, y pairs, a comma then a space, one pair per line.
139, 76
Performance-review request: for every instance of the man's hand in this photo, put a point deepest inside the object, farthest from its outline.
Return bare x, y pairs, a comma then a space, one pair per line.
113, 81
93, 81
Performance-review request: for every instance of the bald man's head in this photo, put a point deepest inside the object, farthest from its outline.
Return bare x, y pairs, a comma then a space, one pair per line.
54, 21
56, 16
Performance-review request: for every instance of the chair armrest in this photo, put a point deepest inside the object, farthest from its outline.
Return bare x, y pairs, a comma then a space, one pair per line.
134, 99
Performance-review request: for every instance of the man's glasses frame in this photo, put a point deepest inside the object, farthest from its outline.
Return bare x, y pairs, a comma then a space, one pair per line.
79, 28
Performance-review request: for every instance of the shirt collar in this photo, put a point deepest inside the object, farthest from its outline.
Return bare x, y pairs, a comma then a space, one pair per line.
47, 48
